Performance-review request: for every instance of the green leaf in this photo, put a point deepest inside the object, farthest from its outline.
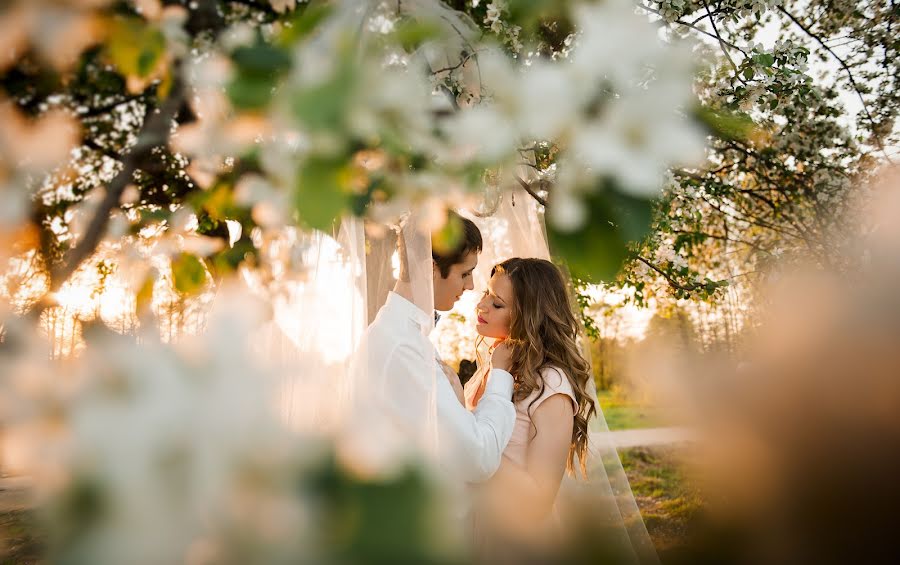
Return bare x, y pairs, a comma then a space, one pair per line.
322, 192
748, 73
726, 124
261, 60
324, 106
188, 274
230, 258
216, 204
249, 93
764, 59
134, 46
410, 34
144, 297
259, 70
596, 251
529, 13
382, 520
448, 237
304, 22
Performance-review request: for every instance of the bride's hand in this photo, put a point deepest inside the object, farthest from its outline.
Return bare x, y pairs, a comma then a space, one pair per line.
501, 357
455, 383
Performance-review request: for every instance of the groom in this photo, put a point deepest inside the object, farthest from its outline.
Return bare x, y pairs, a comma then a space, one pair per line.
414, 386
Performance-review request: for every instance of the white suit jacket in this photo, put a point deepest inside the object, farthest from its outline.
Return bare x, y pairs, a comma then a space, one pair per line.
413, 392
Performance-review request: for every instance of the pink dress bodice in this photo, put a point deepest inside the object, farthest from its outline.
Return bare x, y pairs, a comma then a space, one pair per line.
523, 432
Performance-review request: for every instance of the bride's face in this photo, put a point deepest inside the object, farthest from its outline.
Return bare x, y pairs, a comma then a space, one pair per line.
494, 309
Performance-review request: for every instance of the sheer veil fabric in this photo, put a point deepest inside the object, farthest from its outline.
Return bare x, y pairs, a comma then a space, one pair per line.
317, 338
376, 434
317, 343
600, 506
318, 317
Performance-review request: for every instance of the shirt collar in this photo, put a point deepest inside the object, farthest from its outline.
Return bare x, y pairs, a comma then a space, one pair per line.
406, 309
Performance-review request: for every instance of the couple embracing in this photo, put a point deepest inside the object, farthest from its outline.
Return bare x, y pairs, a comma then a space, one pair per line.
521, 422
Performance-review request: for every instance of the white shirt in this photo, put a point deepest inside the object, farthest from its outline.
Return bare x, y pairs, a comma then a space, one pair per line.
410, 386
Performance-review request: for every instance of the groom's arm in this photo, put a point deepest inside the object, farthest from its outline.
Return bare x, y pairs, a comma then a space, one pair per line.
469, 443
474, 441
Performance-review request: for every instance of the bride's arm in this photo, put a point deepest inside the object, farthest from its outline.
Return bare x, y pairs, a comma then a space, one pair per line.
534, 486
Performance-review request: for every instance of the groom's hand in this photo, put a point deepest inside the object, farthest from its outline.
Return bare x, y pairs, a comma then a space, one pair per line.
501, 358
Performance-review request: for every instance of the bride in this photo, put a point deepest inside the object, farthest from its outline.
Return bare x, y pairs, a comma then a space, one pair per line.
526, 308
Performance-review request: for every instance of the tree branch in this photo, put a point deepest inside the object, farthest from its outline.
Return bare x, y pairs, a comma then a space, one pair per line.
846, 68
452, 68
722, 43
672, 282
155, 132
693, 26
529, 190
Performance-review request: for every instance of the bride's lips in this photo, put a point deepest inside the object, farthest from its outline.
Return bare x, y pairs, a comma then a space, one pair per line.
481, 320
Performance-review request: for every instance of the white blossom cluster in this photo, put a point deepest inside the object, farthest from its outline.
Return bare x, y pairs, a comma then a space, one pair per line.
757, 8
621, 115
672, 10
617, 115
494, 19
177, 446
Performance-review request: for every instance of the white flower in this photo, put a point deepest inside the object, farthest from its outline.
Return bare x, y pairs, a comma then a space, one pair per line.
547, 101
494, 13
567, 211
499, 81
180, 442
636, 139
614, 43
393, 100
482, 133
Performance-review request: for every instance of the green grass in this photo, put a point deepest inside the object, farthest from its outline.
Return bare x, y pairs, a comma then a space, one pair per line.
669, 501
622, 413
18, 541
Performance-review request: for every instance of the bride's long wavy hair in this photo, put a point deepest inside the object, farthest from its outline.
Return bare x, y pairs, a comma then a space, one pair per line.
544, 333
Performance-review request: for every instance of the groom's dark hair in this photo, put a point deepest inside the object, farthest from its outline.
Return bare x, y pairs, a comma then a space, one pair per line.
467, 241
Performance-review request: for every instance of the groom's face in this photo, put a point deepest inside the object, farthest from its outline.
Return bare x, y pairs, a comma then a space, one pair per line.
447, 290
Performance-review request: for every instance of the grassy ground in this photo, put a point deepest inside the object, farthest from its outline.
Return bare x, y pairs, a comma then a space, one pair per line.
19, 538
623, 413
670, 503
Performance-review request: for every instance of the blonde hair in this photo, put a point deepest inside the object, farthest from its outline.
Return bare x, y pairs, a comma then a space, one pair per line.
543, 333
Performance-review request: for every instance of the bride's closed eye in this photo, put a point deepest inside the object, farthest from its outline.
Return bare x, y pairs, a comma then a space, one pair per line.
493, 303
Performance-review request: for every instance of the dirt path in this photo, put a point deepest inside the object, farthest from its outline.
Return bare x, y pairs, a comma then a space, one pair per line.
649, 437
14, 493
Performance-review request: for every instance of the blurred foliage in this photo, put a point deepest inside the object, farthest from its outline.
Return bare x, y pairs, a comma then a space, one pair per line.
188, 273
134, 46
595, 251
392, 520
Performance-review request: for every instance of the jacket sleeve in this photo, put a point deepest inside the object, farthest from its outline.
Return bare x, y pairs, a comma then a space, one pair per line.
469, 444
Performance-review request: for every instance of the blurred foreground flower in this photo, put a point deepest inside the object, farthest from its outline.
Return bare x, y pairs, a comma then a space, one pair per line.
801, 442
146, 452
